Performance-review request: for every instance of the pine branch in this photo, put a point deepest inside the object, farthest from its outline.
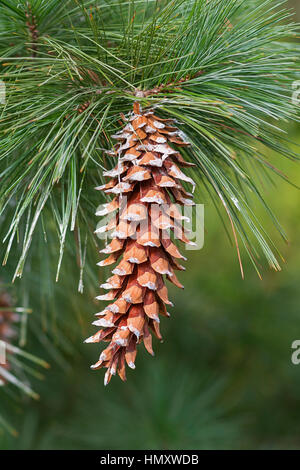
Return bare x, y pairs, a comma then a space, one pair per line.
229, 86
222, 70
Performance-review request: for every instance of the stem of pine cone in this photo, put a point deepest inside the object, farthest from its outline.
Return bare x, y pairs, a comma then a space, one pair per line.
167, 87
138, 93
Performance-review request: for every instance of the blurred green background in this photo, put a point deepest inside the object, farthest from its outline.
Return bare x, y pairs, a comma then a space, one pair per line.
222, 379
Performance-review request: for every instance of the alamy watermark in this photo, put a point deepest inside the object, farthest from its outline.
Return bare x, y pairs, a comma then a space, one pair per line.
2, 352
148, 224
2, 92
296, 93
295, 357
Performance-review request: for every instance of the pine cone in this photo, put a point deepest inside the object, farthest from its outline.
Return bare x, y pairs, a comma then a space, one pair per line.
147, 186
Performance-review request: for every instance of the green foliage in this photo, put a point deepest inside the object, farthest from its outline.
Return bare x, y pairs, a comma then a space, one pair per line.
235, 92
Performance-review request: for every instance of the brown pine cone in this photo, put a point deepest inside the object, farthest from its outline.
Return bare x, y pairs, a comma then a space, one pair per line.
147, 186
